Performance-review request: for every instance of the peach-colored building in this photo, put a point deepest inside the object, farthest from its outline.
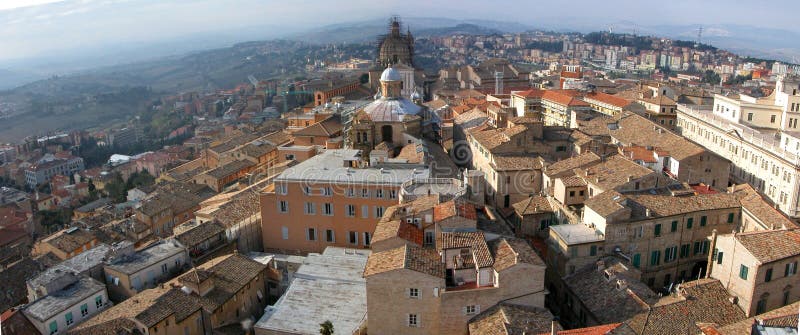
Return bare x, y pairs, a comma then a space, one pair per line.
331, 199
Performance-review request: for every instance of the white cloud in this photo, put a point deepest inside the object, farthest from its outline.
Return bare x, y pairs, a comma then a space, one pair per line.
13, 4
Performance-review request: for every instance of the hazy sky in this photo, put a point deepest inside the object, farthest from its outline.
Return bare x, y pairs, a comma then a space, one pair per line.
29, 28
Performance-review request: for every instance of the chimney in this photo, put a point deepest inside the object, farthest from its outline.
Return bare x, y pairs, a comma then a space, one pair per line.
647, 212
554, 326
601, 265
622, 284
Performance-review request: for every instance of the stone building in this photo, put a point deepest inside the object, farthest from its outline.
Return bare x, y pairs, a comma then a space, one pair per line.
759, 268
664, 233
654, 146
417, 286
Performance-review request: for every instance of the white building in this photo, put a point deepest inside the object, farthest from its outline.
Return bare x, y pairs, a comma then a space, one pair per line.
759, 135
77, 301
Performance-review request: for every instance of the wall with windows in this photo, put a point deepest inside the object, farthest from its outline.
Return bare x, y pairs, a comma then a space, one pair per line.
754, 159
758, 287
122, 285
73, 315
403, 302
671, 249
308, 217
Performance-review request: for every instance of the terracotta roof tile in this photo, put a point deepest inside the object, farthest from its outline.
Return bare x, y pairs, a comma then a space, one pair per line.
631, 129
452, 208
510, 319
475, 241
533, 205
569, 164
511, 251
608, 99
704, 300
406, 257
752, 202
612, 328
785, 316
770, 246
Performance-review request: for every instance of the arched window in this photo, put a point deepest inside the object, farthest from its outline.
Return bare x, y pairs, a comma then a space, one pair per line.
761, 306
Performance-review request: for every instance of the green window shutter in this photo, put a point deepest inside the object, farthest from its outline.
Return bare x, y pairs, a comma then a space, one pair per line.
685, 250
697, 248
637, 259
743, 271
53, 327
689, 223
719, 257
658, 230
730, 217
593, 250
655, 257
768, 275
674, 227
703, 220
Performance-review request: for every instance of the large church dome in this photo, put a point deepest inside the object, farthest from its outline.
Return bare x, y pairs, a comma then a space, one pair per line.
396, 48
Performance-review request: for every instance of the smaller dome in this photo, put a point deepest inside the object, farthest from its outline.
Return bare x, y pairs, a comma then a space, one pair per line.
415, 95
390, 74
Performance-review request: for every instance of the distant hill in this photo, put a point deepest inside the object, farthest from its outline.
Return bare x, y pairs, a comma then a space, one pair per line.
12, 78
463, 28
368, 31
102, 96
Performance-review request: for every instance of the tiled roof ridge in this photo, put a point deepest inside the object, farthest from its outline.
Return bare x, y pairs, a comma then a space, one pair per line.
757, 232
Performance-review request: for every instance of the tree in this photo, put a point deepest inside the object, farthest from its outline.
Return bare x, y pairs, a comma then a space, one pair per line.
711, 77
116, 188
326, 328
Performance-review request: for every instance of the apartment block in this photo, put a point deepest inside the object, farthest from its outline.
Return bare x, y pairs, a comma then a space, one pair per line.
171, 204
555, 107
331, 199
664, 232
50, 166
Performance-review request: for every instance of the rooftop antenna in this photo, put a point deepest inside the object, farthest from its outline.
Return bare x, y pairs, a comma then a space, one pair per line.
699, 35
